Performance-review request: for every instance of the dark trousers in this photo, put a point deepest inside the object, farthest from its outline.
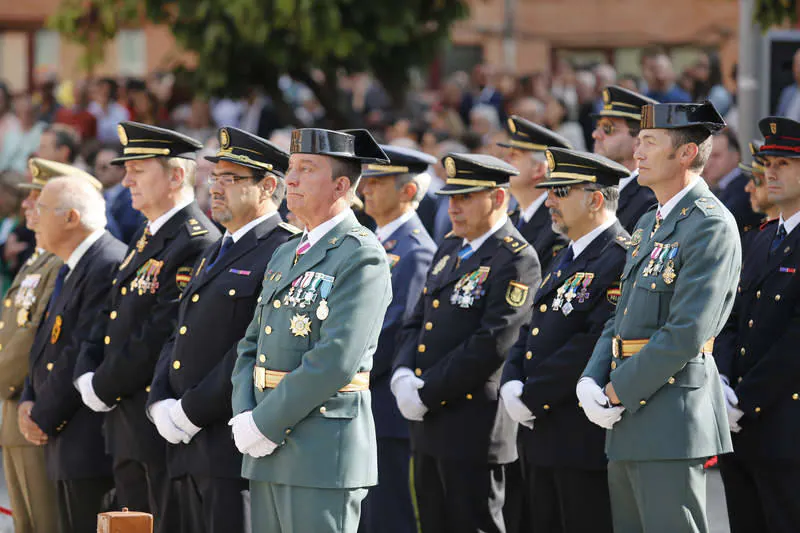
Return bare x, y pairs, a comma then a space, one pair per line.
761, 496
209, 505
459, 496
145, 487
568, 500
388, 507
79, 501
515, 509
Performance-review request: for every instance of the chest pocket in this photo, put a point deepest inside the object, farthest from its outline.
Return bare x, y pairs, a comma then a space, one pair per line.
236, 287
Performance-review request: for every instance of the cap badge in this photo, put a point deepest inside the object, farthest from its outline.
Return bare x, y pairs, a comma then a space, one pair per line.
511, 126
123, 137
551, 162
773, 127
606, 96
224, 139
34, 169
450, 167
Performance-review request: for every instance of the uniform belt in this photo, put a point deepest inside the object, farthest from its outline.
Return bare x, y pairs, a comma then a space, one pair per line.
269, 379
629, 347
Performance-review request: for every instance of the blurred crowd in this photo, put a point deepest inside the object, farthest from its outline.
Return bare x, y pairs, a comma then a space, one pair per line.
74, 121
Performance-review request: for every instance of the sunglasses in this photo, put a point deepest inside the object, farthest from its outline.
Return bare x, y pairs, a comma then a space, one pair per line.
607, 127
757, 181
562, 191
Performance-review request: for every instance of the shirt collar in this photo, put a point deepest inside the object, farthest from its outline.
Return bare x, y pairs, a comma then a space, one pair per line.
316, 234
625, 181
158, 223
527, 214
477, 243
83, 247
727, 179
791, 222
584, 242
239, 233
384, 232
670, 205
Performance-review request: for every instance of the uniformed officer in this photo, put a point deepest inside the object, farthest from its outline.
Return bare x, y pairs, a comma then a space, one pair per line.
757, 186
71, 217
654, 356
526, 145
23, 308
615, 137
392, 193
115, 369
756, 354
564, 459
189, 400
301, 381
450, 352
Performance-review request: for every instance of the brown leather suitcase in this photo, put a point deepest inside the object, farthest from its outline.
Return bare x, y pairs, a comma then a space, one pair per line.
124, 521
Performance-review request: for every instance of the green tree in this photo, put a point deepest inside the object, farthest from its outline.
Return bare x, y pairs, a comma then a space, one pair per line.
770, 13
245, 43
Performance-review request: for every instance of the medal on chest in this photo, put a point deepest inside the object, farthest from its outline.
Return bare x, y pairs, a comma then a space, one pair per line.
26, 297
469, 288
146, 279
300, 325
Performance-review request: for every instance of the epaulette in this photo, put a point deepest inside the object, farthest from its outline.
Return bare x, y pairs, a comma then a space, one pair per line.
623, 241
450, 235
513, 244
194, 228
767, 223
708, 206
294, 230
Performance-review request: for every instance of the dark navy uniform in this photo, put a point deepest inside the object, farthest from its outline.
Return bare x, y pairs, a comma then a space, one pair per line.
757, 352
388, 507
456, 340
142, 310
634, 201
538, 231
75, 454
195, 367
565, 462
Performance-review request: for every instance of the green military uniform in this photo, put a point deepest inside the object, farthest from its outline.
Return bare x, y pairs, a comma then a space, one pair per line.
32, 494
303, 371
678, 287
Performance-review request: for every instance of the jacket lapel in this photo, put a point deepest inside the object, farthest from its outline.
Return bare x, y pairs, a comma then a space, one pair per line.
774, 261
486, 251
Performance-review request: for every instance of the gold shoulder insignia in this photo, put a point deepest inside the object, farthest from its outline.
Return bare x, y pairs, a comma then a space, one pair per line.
514, 245
450, 234
707, 206
294, 230
623, 241
194, 228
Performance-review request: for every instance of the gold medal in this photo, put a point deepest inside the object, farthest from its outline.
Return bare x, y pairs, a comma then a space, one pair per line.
23, 315
56, 332
323, 311
300, 325
669, 273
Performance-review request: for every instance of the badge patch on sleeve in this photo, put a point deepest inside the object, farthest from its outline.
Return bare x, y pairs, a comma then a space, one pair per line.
516, 294
613, 293
393, 259
183, 276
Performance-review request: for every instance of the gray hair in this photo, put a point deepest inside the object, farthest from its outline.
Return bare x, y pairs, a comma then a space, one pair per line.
422, 181
610, 197
189, 168
76, 193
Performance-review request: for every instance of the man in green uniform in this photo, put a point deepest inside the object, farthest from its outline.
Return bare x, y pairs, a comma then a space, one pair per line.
301, 396
663, 402
32, 494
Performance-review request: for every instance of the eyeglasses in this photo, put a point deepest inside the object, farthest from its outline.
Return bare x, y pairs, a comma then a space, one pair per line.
562, 191
226, 180
607, 127
757, 181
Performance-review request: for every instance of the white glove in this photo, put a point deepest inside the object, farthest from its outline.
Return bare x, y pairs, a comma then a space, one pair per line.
89, 397
179, 418
160, 415
405, 387
596, 405
510, 394
732, 406
247, 437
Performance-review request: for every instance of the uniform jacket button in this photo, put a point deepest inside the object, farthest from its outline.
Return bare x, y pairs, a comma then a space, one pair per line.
176, 365
528, 354
418, 372
642, 402
469, 396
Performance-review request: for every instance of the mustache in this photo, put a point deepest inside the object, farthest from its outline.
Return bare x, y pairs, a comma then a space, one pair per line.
555, 212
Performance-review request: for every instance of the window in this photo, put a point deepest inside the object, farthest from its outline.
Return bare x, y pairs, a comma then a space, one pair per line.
131, 53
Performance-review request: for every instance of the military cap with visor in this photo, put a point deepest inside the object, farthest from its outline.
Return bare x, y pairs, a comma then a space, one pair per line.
468, 173
619, 102
678, 116
527, 135
570, 167
43, 170
757, 164
353, 145
781, 137
401, 161
142, 141
243, 148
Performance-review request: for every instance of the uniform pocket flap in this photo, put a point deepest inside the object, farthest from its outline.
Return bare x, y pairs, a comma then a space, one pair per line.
693, 375
342, 405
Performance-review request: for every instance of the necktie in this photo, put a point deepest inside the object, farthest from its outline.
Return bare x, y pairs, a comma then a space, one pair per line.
778, 239
227, 242
60, 277
659, 220
569, 255
302, 247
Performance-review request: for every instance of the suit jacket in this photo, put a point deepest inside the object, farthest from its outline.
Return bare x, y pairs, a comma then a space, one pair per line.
538, 231
737, 200
634, 201
139, 317
674, 408
75, 447
410, 251
23, 308
457, 339
554, 347
757, 349
128, 219
326, 438
196, 367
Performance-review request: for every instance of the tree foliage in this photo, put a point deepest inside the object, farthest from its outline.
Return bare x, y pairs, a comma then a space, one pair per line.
245, 43
770, 13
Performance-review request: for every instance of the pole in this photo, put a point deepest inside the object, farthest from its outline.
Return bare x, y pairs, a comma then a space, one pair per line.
509, 41
747, 94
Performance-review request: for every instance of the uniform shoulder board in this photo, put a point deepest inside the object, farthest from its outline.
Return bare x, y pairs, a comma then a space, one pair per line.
294, 230
623, 241
360, 233
767, 223
515, 245
194, 228
709, 206
450, 235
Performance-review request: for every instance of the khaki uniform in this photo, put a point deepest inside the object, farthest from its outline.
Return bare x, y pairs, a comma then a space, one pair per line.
32, 494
